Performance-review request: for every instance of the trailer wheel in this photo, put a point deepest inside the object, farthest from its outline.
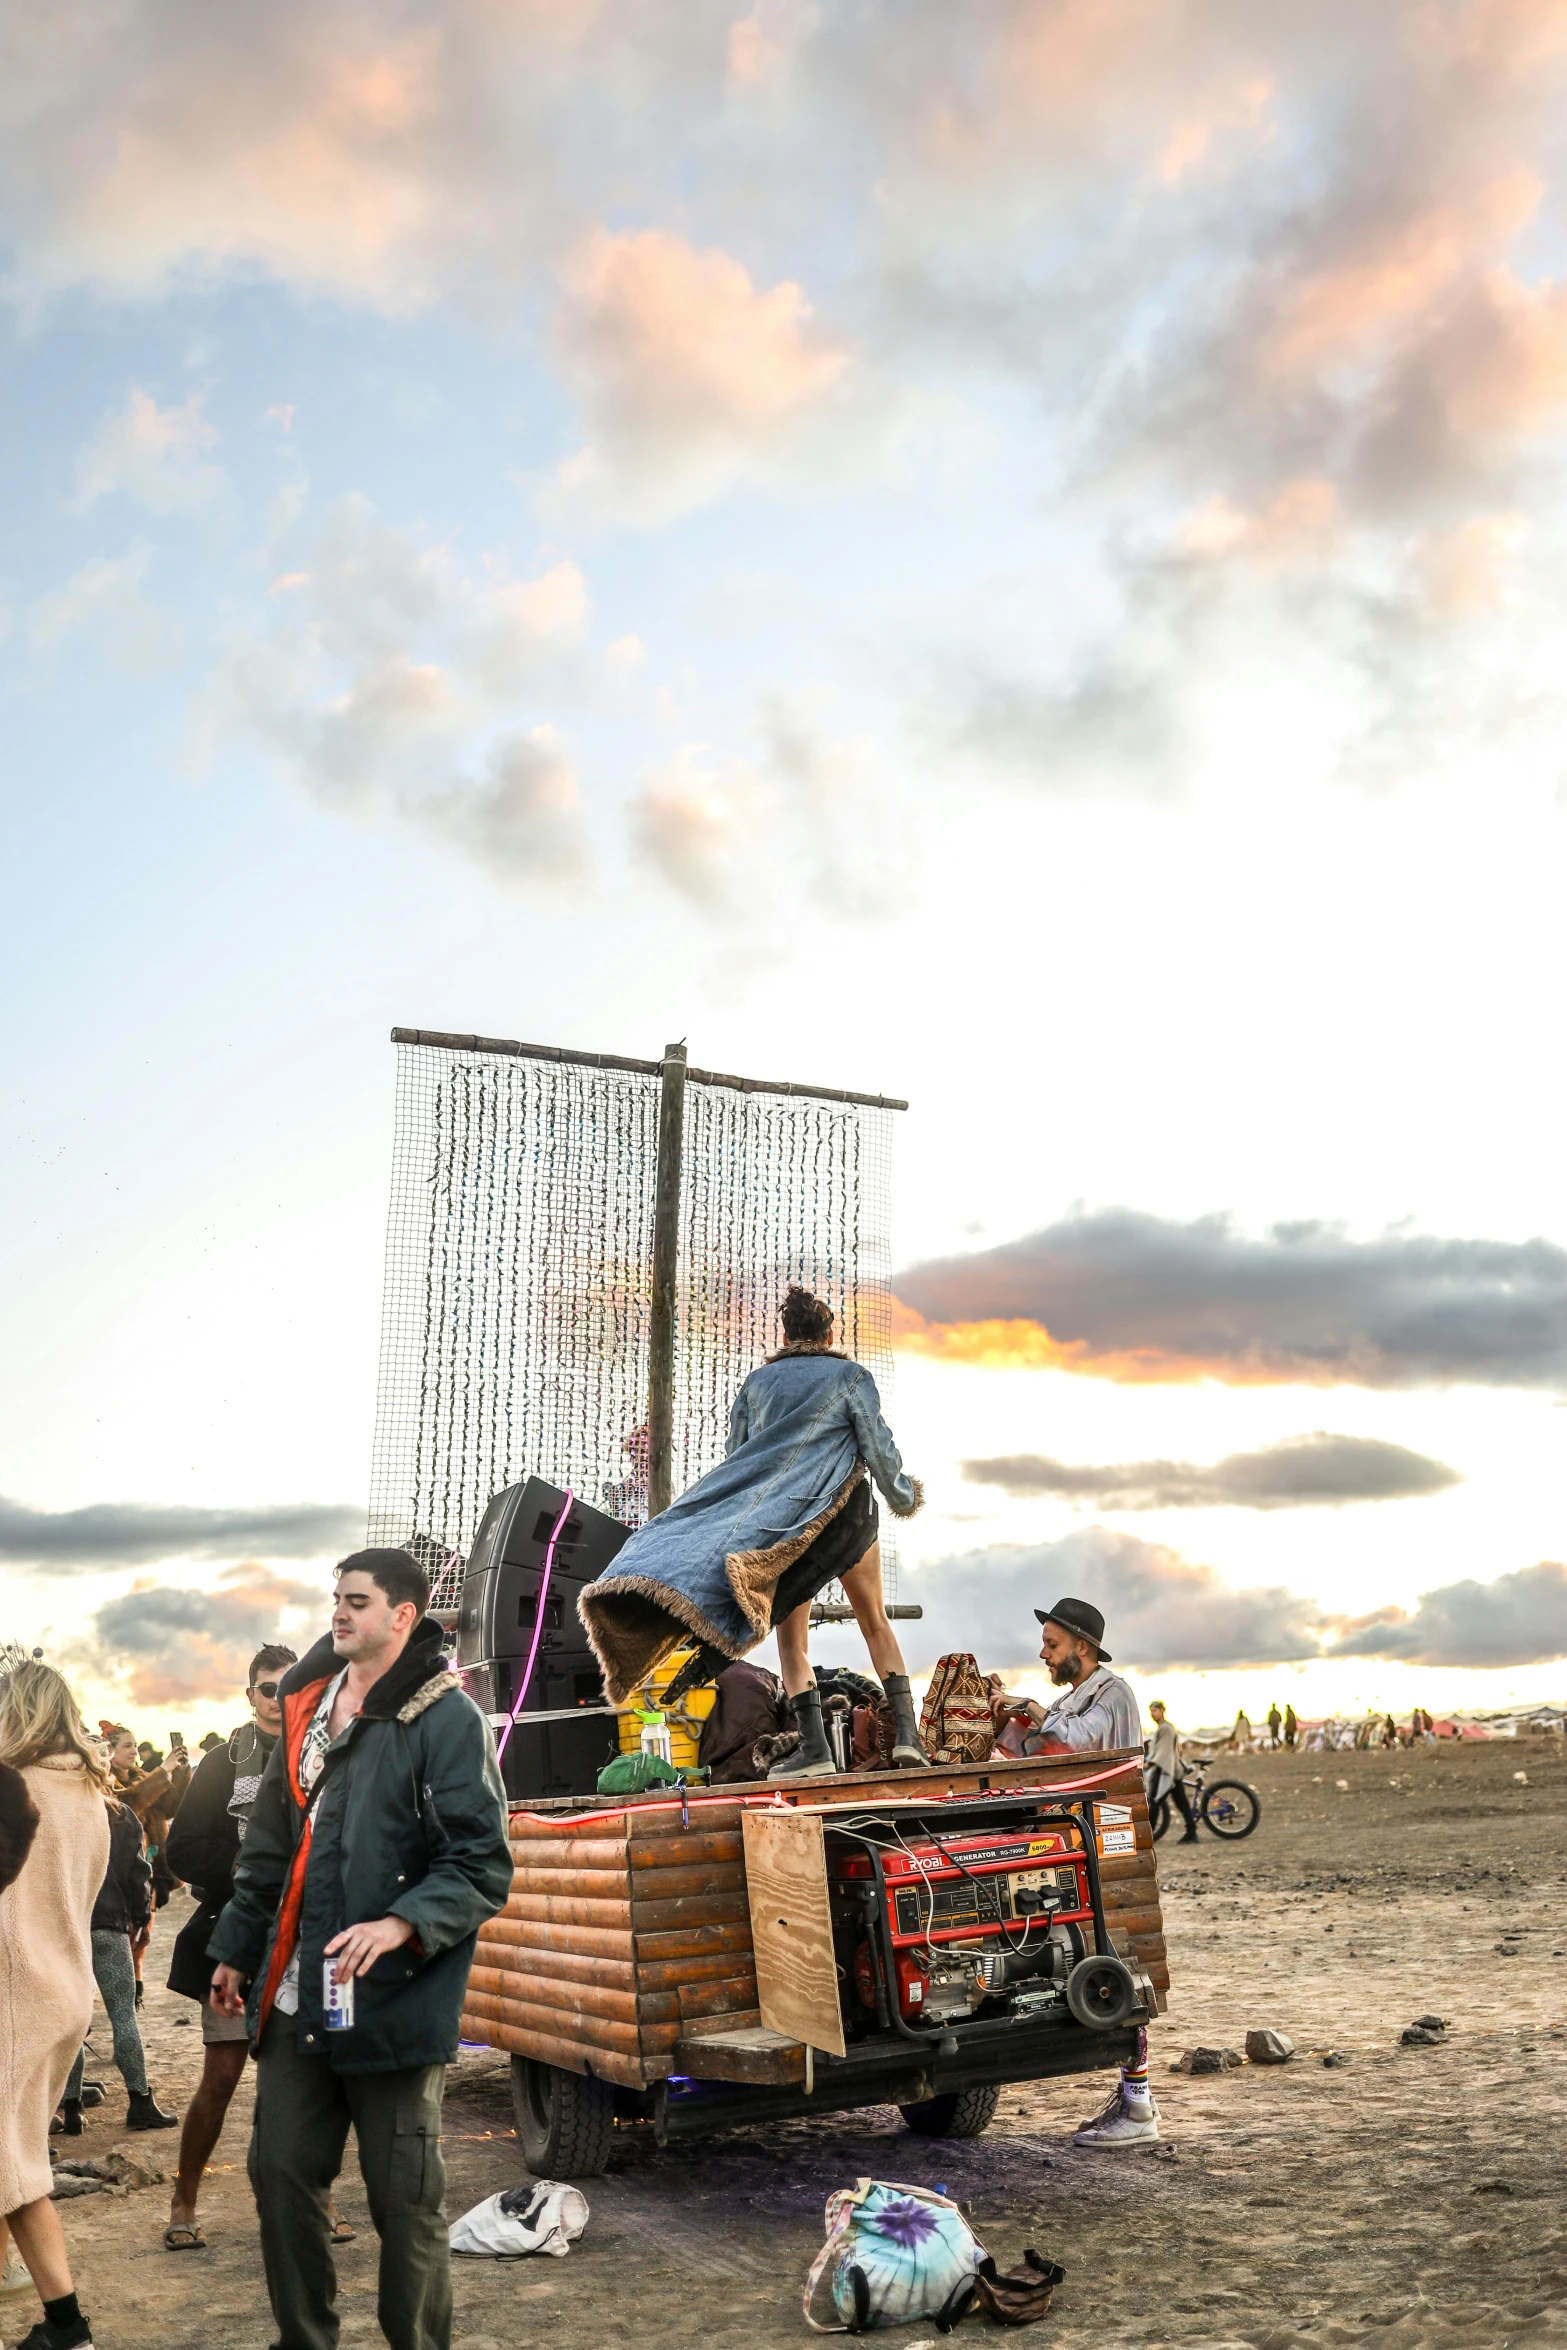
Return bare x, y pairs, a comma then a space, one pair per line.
563, 2119
1101, 1992
960, 2113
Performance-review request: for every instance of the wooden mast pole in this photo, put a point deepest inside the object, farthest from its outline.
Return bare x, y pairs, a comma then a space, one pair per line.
666, 1247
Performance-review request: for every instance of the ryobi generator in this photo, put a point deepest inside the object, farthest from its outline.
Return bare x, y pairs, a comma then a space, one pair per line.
986, 1913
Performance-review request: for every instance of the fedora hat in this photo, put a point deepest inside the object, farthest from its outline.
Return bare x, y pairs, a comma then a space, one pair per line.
1075, 1615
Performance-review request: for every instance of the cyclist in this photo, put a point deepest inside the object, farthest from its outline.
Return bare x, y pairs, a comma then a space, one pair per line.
1162, 1769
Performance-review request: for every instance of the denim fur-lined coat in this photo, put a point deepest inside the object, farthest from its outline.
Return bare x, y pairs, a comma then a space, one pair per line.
805, 1428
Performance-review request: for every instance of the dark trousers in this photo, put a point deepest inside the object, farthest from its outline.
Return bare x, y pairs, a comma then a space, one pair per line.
1182, 1803
303, 2113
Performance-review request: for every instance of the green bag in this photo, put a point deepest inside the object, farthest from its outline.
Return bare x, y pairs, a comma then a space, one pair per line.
636, 1774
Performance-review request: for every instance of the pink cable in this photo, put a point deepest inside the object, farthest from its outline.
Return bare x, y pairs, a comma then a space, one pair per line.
867, 1803
538, 1626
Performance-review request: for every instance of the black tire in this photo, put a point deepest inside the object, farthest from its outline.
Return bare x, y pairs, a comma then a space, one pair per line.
563, 2119
1230, 1808
1102, 1993
1159, 1817
960, 2113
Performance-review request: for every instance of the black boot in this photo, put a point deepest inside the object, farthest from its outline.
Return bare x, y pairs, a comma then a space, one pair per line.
146, 2114
907, 1752
68, 2119
812, 1758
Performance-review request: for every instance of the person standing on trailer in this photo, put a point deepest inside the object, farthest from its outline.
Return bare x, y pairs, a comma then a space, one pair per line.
375, 1850
747, 1548
1097, 1712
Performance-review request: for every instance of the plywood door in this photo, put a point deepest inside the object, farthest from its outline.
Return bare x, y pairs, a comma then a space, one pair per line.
791, 1927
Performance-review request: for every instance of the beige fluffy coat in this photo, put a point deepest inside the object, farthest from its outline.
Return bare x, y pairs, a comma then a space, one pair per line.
46, 1977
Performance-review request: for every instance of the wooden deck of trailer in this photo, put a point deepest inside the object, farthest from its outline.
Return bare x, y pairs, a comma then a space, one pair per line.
626, 1941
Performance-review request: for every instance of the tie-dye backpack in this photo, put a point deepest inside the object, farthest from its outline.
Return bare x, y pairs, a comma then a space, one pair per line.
893, 2254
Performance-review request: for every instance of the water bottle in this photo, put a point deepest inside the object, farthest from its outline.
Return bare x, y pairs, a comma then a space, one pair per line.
656, 1738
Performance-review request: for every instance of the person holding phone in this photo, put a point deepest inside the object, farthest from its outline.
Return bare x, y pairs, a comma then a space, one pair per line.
154, 1796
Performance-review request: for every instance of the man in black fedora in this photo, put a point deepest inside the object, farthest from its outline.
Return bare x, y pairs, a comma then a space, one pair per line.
1096, 1713
1098, 1709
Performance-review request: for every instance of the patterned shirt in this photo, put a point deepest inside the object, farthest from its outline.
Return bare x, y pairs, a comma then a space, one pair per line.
312, 1754
249, 1749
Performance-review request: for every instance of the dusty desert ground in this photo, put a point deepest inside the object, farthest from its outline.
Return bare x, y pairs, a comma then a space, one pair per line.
1407, 2196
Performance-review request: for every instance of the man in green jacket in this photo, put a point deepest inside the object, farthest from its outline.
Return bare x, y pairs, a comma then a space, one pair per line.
376, 1850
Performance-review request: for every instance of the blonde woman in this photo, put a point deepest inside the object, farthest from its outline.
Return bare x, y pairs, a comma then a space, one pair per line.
46, 1974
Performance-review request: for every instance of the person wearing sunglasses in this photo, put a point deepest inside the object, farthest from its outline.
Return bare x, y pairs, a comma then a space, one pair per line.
204, 1844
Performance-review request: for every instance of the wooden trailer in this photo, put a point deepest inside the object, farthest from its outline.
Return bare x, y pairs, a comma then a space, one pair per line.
671, 1960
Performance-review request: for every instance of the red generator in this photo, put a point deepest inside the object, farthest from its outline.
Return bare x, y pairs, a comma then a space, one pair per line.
947, 1917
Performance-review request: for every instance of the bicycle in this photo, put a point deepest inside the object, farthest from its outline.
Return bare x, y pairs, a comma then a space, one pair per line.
1229, 1807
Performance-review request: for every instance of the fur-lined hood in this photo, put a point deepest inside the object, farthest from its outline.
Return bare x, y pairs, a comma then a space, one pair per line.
419, 1679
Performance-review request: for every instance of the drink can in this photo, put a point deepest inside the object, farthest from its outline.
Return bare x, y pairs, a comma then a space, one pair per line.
337, 1999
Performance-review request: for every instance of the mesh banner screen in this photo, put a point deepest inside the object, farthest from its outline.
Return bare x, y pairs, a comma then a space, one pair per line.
519, 1247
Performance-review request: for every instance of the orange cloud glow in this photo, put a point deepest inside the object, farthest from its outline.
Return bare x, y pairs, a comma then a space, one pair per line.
662, 322
1022, 1345
1465, 570
1337, 311
1191, 142
1294, 522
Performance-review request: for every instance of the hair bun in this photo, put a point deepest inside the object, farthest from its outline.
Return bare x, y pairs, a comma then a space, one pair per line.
806, 1319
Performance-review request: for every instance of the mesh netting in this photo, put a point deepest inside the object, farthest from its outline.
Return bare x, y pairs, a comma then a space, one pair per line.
514, 1326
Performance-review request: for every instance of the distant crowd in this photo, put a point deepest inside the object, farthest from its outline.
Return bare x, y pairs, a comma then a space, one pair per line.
1335, 1734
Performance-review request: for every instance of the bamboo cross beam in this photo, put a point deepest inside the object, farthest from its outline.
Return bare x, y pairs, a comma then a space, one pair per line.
443, 1040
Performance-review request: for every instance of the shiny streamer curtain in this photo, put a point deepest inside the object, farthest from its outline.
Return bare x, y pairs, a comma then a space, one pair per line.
514, 1323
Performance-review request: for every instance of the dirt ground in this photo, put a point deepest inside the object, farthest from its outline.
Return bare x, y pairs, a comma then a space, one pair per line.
1408, 2196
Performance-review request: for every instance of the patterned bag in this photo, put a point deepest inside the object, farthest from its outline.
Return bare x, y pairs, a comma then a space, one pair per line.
893, 2254
955, 1721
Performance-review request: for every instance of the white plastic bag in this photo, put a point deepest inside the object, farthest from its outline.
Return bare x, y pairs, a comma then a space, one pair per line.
545, 2218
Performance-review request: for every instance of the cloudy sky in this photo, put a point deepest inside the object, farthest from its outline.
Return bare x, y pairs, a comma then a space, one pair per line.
1006, 555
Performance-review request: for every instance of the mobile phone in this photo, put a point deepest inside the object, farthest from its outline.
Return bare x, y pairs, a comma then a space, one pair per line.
176, 1737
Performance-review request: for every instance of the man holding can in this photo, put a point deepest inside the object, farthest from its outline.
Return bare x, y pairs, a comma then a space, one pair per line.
376, 1849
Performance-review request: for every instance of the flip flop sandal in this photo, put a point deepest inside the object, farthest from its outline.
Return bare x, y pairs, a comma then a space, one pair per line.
342, 2232
183, 2235
1019, 2296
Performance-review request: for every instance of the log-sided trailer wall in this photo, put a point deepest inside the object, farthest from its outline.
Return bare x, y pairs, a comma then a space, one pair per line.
627, 1932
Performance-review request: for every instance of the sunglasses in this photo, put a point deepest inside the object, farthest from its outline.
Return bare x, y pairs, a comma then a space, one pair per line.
266, 1688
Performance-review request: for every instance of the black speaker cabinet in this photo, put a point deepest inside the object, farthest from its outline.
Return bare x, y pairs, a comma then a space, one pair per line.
496, 1629
500, 1590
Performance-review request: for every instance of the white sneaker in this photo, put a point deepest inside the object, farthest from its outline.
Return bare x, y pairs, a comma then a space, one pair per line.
14, 2279
1127, 2120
